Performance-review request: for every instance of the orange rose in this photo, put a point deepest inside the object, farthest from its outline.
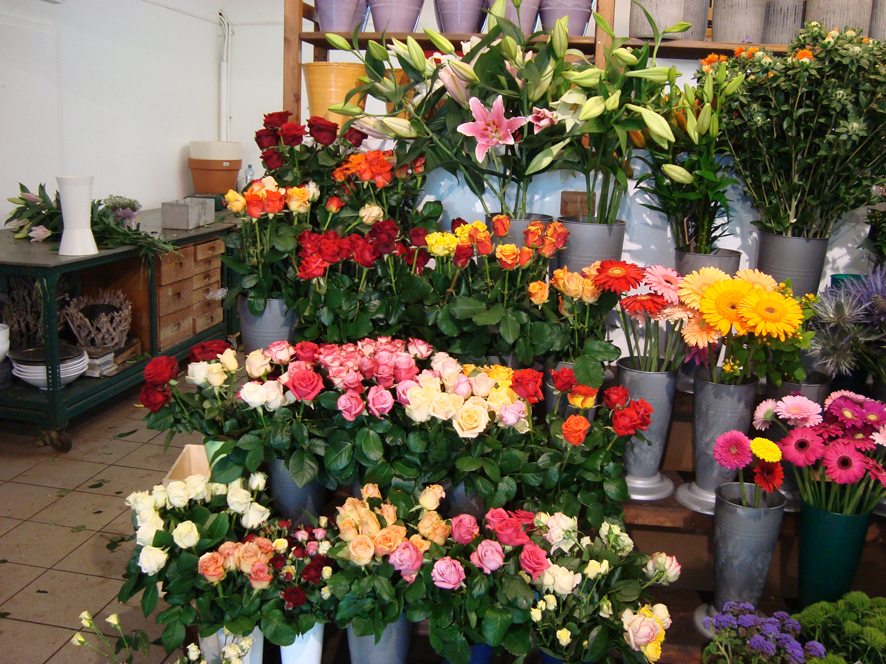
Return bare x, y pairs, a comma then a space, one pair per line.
483, 242
589, 291
433, 528
439, 533
571, 285
260, 576
557, 277
369, 524
387, 539
347, 529
575, 429
524, 257
501, 224
249, 554
230, 552
590, 271
533, 234
507, 255
538, 292
388, 513
212, 566
420, 543
298, 199
582, 396
561, 307
273, 201
266, 547
557, 233
255, 205
547, 249
368, 491
361, 550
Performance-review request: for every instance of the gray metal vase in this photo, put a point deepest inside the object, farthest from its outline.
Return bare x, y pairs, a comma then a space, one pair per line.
392, 649
460, 16
878, 20
795, 258
815, 387
578, 11
716, 409
727, 260
336, 15
664, 12
590, 242
293, 502
642, 459
275, 323
784, 20
840, 14
696, 12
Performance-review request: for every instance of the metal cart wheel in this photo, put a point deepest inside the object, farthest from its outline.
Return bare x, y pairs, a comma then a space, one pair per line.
58, 439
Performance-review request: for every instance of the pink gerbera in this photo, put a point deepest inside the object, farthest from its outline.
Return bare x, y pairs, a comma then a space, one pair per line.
873, 413
852, 396
880, 437
860, 439
664, 281
828, 430
844, 464
802, 447
799, 411
877, 472
847, 412
733, 450
764, 415
490, 128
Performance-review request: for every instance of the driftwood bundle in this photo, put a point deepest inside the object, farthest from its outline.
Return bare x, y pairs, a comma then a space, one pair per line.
103, 332
23, 311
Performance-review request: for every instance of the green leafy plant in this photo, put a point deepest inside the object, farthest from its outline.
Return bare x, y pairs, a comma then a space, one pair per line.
852, 629
132, 645
875, 242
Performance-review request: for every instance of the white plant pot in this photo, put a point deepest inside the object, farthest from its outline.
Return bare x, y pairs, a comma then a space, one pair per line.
212, 647
307, 648
75, 193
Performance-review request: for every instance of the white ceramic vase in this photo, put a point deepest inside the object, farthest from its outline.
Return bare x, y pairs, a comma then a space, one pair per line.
307, 648
75, 192
212, 647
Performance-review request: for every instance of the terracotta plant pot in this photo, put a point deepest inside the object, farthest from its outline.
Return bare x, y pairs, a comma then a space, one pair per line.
328, 83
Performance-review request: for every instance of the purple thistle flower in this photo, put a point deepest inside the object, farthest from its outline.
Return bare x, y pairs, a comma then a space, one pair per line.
872, 291
815, 649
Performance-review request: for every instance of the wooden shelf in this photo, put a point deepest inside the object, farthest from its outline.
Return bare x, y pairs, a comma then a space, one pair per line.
691, 50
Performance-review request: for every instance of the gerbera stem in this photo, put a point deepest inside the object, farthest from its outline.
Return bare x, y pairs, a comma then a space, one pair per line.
744, 502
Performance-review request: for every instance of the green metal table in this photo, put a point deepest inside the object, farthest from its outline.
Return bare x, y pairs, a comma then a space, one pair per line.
53, 408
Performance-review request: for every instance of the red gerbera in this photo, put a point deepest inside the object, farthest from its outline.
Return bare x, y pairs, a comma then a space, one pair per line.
768, 476
618, 276
648, 304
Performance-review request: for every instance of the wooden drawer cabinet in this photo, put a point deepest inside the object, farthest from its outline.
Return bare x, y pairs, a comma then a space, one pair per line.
208, 249
176, 327
175, 296
207, 320
204, 279
175, 266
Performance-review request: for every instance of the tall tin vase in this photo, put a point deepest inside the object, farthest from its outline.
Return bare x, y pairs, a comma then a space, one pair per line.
744, 542
275, 323
307, 648
643, 457
589, 242
799, 259
393, 648
293, 502
517, 226
717, 409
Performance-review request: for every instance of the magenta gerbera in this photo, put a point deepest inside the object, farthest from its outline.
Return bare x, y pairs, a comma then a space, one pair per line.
664, 281
843, 463
873, 413
764, 415
490, 128
799, 411
852, 396
733, 450
860, 439
847, 412
802, 447
877, 472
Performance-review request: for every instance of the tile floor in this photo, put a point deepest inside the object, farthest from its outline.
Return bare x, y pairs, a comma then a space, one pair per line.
58, 512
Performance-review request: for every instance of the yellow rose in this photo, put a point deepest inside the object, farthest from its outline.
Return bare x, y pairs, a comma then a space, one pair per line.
463, 233
470, 420
498, 398
570, 285
215, 375
236, 202
387, 539
500, 374
388, 513
538, 292
347, 529
480, 226
360, 550
430, 525
430, 497
589, 291
228, 360
298, 199
441, 244
420, 543
280, 545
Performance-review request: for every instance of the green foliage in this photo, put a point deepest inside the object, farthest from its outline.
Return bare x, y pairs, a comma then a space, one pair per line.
875, 242
852, 629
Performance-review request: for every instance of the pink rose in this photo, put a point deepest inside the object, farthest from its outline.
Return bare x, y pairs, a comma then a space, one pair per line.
212, 566
379, 400
639, 630
311, 548
367, 367
510, 414
367, 346
279, 352
231, 553
305, 385
462, 386
524, 517
482, 385
384, 375
447, 573
337, 376
406, 558
320, 533
488, 557
353, 382
534, 560
464, 528
260, 576
495, 517
350, 405
402, 389
301, 536
306, 351
510, 532
385, 358
404, 367
420, 349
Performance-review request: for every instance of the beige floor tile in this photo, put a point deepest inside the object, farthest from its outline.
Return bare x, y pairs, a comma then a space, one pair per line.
122, 525
40, 544
132, 431
61, 473
151, 457
71, 655
100, 450
7, 524
14, 578
93, 557
131, 617
120, 481
27, 643
179, 440
79, 508
22, 501
17, 455
57, 598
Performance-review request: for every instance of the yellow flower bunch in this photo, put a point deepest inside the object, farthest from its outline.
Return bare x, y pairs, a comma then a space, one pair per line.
441, 244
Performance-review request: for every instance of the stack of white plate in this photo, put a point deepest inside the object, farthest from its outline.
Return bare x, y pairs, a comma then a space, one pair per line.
30, 365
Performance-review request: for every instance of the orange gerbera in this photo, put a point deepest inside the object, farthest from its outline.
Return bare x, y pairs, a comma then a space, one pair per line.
696, 283
618, 276
697, 333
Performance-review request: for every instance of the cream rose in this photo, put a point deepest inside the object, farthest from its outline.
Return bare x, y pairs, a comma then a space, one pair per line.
430, 497
258, 481
498, 398
228, 360
274, 396
595, 568
257, 365
197, 373
144, 536
139, 501
564, 637
419, 408
239, 499
470, 420
177, 493
443, 407
254, 516
254, 394
198, 487
559, 579
186, 535
361, 550
216, 375
482, 384
370, 213
661, 613
151, 560
159, 496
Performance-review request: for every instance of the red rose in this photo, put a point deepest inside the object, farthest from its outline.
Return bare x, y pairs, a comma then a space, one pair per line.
564, 379
329, 249
309, 243
272, 159
510, 532
306, 351
278, 562
322, 130
416, 259
273, 202
255, 205
630, 419
312, 574
457, 223
383, 236
207, 351
334, 204
266, 138
275, 120
527, 384
312, 267
292, 133
294, 596
355, 137
616, 397
154, 398
418, 165
524, 517
295, 549
463, 255
161, 370
305, 385
365, 254
417, 237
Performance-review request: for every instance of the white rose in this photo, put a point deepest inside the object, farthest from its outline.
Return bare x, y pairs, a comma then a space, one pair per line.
218, 489
560, 580
541, 518
197, 373
194, 652
324, 547
144, 536
595, 568
151, 560
255, 516
254, 394
274, 397
564, 637
178, 493
231, 650
419, 408
198, 486
660, 611
186, 535
550, 602
258, 481
138, 501
605, 608
257, 365
159, 496
561, 531
535, 614
326, 572
370, 213
239, 499
228, 360
313, 190
215, 375
325, 592
144, 516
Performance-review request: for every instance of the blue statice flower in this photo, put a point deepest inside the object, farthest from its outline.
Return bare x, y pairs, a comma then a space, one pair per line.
759, 644
815, 649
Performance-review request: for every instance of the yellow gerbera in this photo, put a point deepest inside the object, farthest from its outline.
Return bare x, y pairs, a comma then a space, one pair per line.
757, 279
720, 304
766, 450
696, 283
697, 333
770, 314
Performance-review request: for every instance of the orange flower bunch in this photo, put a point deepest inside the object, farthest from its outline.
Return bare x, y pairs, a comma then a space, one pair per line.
804, 54
577, 285
375, 166
265, 197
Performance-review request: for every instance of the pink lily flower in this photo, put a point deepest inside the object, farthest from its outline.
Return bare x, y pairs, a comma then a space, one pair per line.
490, 128
542, 118
39, 233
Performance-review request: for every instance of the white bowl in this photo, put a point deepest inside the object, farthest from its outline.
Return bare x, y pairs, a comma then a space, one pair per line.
40, 369
42, 381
